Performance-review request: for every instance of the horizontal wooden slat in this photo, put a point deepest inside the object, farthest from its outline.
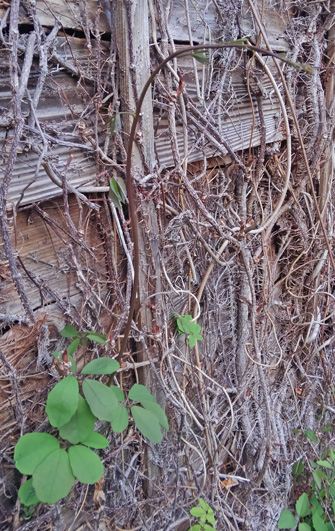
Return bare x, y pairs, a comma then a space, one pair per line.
44, 253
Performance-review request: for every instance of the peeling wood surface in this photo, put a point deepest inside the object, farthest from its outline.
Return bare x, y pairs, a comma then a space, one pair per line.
203, 21
72, 14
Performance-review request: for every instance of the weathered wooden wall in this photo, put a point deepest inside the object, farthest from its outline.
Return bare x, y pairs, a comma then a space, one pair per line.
226, 212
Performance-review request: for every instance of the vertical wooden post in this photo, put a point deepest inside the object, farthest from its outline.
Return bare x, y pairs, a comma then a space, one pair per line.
132, 32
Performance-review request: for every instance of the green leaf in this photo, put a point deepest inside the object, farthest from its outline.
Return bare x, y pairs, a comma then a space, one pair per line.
85, 464
331, 454
211, 519
304, 527
57, 354
286, 520
73, 364
333, 507
31, 449
101, 366
296, 432
316, 505
196, 527
53, 478
121, 420
69, 331
147, 424
118, 392
121, 184
309, 434
27, 493
204, 504
200, 57
101, 399
198, 512
73, 347
207, 527
298, 468
318, 475
62, 401
98, 338
116, 193
325, 464
80, 425
157, 411
96, 440
318, 522
302, 505
328, 428
139, 392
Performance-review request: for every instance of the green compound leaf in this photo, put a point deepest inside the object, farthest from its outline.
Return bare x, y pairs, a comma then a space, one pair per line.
31, 449
62, 401
85, 464
309, 434
96, 440
80, 425
302, 505
101, 399
286, 520
190, 328
101, 366
158, 412
298, 468
121, 420
27, 493
69, 331
53, 478
98, 338
147, 424
139, 392
118, 392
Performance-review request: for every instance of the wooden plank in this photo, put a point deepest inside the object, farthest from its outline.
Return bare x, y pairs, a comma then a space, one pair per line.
202, 21
70, 13
60, 111
236, 119
47, 256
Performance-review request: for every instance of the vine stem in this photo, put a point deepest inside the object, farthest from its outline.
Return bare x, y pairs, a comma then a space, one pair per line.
242, 44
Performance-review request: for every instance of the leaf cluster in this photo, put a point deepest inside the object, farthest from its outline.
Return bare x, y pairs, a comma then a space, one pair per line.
54, 465
205, 514
187, 326
316, 508
78, 338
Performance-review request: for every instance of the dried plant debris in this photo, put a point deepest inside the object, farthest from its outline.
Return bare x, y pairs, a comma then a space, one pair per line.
233, 181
